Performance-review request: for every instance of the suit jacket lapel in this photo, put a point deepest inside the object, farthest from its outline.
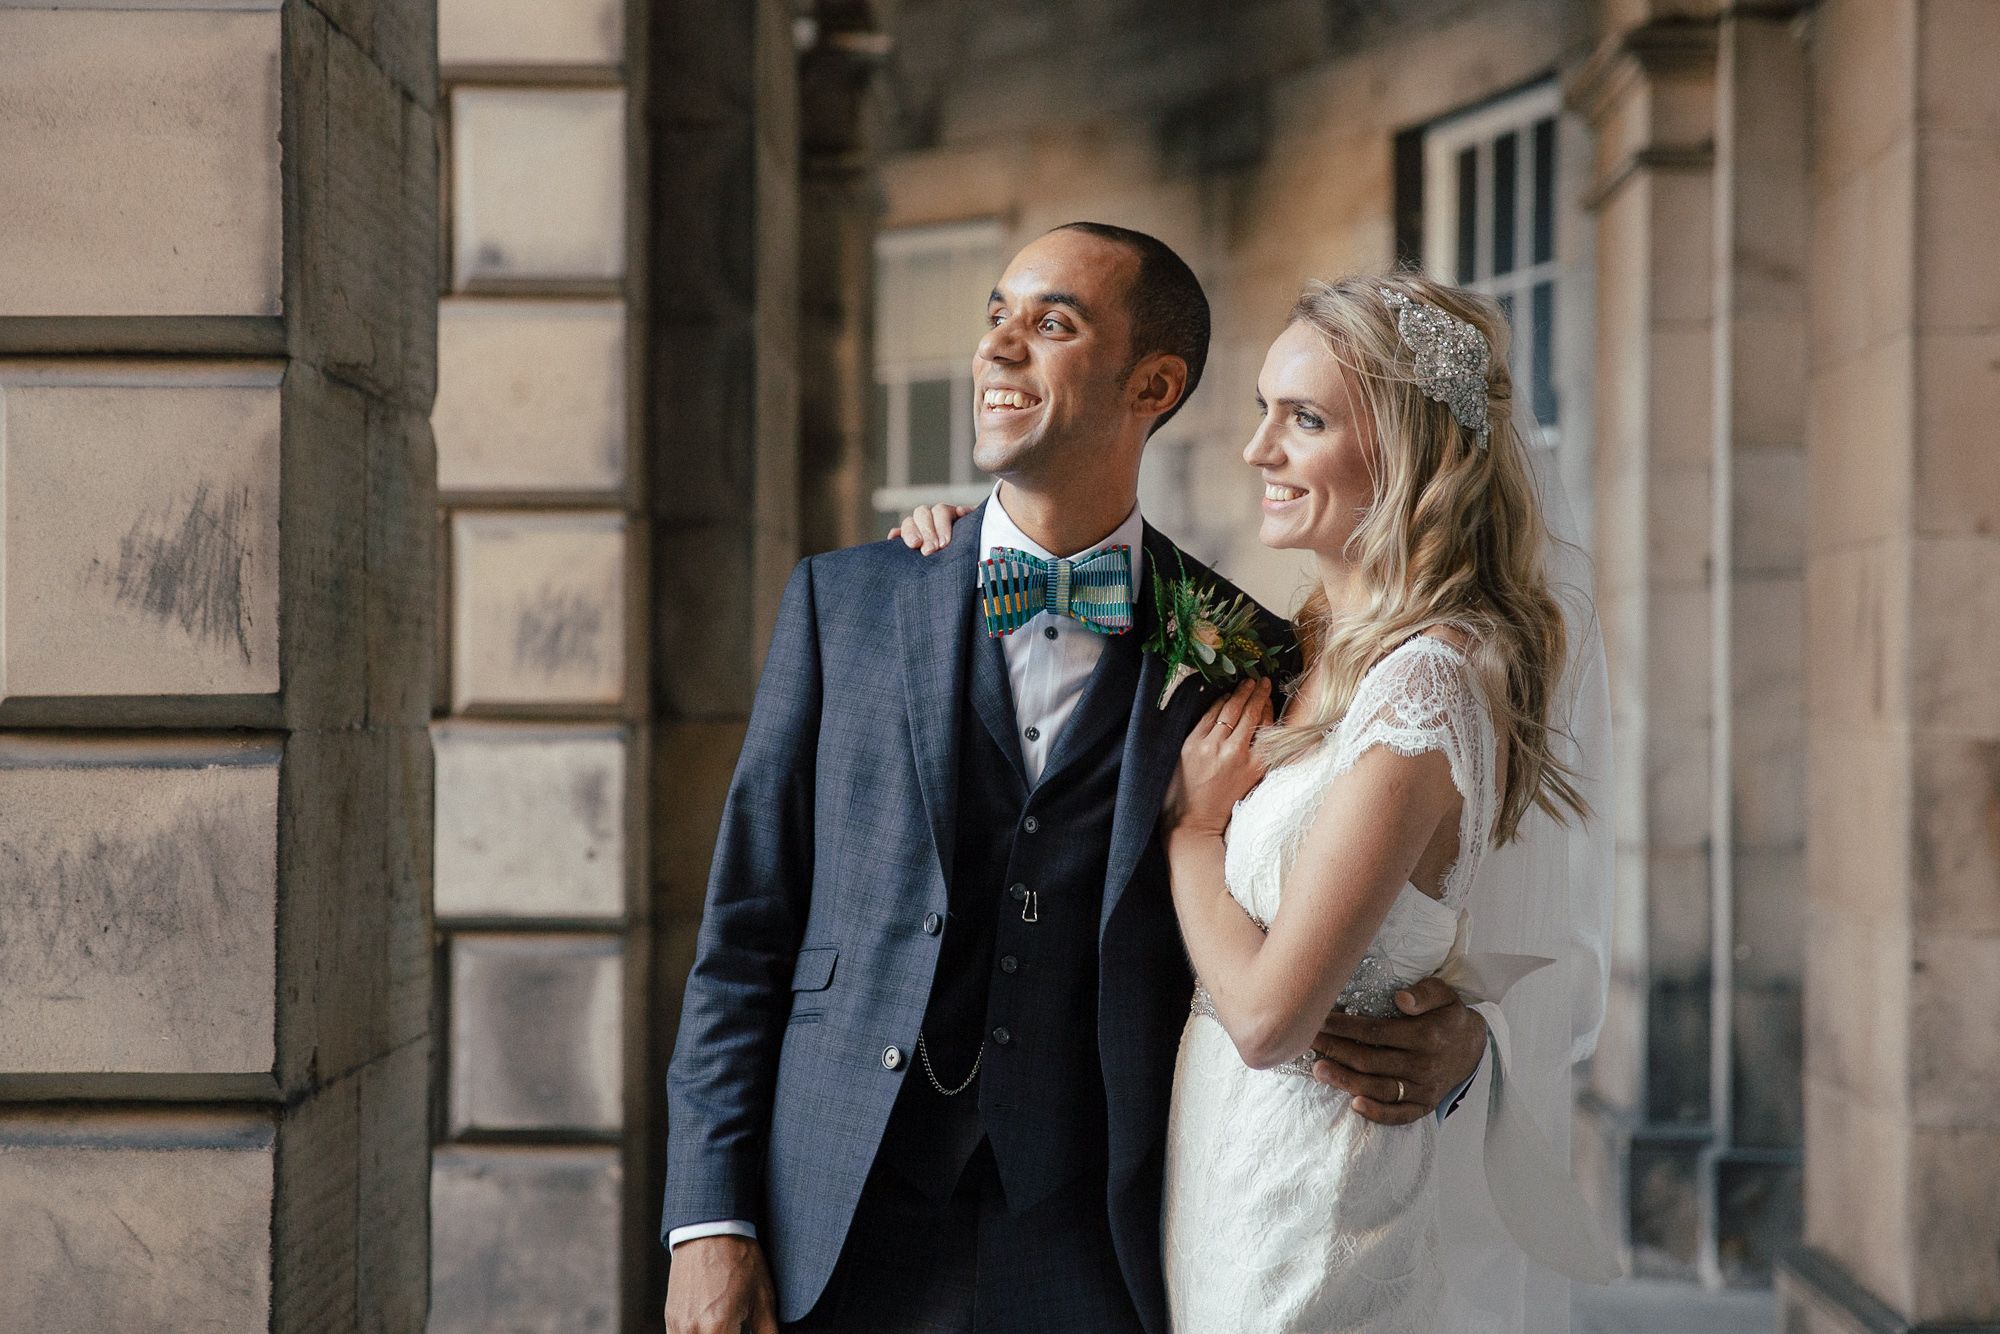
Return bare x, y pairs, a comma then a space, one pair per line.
1153, 738
993, 695
934, 616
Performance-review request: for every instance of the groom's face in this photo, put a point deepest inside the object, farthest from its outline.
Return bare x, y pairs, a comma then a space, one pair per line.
1049, 390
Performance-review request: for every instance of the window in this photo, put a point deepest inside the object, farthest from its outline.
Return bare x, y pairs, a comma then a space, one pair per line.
931, 285
1491, 215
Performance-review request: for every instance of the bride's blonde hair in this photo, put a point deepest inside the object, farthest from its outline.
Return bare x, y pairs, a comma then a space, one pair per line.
1454, 535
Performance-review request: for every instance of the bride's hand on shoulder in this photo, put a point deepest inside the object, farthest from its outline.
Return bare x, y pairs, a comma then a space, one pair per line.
1218, 767
928, 527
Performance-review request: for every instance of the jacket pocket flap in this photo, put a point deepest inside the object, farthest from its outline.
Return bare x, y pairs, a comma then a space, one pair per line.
814, 970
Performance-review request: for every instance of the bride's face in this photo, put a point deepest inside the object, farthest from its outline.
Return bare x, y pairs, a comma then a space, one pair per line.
1312, 446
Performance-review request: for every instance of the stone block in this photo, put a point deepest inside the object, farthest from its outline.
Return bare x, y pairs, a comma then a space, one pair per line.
531, 396
140, 543
1859, 807
137, 905
1958, 48
530, 821
147, 1220
326, 527
1954, 854
1857, 1179
538, 610
1682, 250
1954, 1043
392, 1269
1758, 1215
1679, 519
1679, 764
357, 944
1958, 402
1857, 1006
1767, 778
1865, 56
398, 35
491, 1208
399, 624
141, 155
535, 1033
530, 32
1955, 635
1954, 1180
692, 766
1858, 656
1958, 278
1768, 506
538, 185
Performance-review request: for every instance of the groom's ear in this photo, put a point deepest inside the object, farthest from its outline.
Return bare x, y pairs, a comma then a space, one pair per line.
1158, 383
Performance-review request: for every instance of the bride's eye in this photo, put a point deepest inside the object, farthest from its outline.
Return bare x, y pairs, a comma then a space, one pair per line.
1309, 421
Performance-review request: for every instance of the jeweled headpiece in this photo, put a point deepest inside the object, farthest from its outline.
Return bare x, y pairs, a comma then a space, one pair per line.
1452, 357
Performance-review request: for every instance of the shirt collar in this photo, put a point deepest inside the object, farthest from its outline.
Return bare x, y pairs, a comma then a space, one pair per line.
998, 529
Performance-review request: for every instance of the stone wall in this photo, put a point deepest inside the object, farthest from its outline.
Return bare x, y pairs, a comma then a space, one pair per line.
1902, 1079
217, 261
541, 736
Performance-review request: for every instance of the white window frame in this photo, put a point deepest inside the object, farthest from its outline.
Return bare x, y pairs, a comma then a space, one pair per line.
965, 486
1567, 270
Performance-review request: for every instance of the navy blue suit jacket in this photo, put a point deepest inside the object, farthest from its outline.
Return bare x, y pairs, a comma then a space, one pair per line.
812, 960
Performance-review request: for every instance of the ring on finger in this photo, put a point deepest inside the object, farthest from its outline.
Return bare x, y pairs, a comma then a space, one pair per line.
1400, 1090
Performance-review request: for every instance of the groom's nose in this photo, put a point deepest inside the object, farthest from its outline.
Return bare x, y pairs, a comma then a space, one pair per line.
1002, 344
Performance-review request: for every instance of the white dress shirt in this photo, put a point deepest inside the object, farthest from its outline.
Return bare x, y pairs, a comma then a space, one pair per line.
1049, 661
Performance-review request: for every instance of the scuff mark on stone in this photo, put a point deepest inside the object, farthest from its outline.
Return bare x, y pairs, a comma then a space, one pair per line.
189, 570
589, 794
557, 630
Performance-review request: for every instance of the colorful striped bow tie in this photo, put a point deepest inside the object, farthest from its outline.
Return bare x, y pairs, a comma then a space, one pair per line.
1095, 590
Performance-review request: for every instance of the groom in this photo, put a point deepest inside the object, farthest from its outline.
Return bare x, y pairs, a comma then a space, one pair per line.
923, 1067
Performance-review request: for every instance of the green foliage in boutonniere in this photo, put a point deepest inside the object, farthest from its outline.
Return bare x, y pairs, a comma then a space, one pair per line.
1201, 635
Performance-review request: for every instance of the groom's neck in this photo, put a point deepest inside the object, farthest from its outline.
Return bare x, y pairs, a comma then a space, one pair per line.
1066, 520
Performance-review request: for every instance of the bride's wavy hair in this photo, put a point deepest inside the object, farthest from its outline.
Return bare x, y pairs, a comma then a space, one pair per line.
1453, 535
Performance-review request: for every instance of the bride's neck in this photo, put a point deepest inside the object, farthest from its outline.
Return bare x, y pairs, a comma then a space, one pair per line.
1341, 580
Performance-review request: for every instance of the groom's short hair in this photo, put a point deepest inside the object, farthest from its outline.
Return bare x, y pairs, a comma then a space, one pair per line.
1169, 311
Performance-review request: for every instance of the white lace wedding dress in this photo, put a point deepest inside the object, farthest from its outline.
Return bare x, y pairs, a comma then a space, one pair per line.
1285, 1211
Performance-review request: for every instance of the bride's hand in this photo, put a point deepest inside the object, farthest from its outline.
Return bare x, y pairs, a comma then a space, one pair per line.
928, 529
1217, 766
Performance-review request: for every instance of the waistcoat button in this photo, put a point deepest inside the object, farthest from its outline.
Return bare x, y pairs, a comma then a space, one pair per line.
1017, 892
1002, 1036
1031, 824
1009, 964
892, 1057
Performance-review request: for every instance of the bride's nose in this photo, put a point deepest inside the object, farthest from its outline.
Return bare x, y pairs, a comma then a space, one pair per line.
1262, 449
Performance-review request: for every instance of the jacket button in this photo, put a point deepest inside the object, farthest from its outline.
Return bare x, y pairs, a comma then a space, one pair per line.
1002, 1036
892, 1057
1017, 892
1031, 824
1009, 964
933, 924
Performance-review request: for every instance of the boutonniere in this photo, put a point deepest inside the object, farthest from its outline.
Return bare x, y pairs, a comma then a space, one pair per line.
1199, 634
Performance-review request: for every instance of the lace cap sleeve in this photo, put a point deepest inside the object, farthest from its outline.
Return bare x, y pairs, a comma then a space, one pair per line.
1421, 698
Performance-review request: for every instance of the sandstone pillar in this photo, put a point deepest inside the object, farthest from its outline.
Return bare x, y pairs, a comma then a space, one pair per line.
1902, 1082
217, 266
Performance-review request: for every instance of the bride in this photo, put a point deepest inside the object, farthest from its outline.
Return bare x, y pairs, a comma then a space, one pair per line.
1421, 780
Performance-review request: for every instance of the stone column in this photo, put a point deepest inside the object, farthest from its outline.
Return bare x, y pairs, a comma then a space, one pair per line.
1902, 1083
722, 432
217, 259
538, 1184
1748, 1179
1649, 93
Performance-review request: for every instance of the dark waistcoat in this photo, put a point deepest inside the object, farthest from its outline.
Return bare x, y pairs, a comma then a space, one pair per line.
1016, 982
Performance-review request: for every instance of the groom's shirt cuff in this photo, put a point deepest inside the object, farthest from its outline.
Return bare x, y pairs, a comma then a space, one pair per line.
728, 1227
1457, 1096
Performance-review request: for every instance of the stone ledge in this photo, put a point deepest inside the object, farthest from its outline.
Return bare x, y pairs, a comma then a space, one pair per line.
1816, 1295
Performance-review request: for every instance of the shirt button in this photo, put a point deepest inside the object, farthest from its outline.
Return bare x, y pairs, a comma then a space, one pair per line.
1009, 964
933, 924
1017, 892
1033, 734
892, 1057
1002, 1036
1031, 824
1049, 632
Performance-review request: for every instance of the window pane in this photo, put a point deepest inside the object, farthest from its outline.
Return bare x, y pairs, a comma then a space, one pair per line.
1542, 314
878, 434
930, 432
1468, 214
1545, 191
1505, 151
1506, 301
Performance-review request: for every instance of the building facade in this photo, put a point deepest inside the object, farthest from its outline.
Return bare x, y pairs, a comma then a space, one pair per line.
409, 415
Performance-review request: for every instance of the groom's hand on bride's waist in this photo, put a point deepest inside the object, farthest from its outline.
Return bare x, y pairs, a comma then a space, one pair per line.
1398, 1070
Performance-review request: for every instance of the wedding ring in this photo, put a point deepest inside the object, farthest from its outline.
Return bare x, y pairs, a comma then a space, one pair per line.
1399, 1090
1225, 726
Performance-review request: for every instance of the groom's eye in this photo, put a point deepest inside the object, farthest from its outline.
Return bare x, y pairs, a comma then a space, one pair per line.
1050, 324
